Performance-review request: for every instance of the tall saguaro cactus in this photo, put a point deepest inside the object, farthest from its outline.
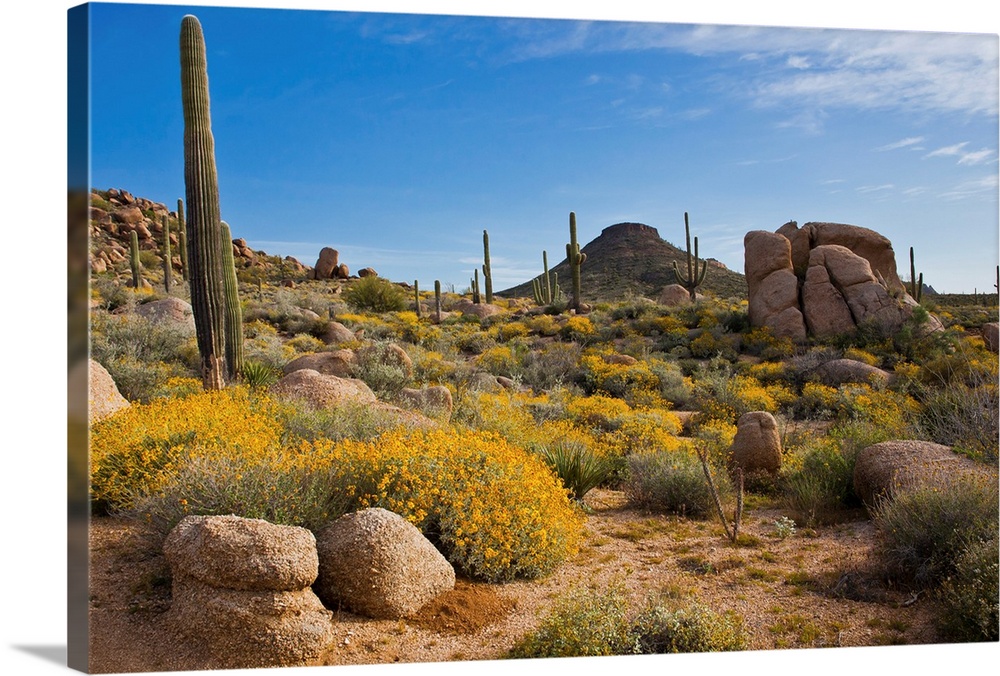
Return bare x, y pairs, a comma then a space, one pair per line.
694, 277
575, 259
487, 270
201, 191
167, 265
437, 300
234, 311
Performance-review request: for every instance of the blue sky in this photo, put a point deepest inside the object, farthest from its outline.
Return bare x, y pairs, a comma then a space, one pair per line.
398, 138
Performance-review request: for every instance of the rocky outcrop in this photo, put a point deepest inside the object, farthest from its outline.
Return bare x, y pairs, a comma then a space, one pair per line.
481, 310
823, 280
242, 587
377, 564
756, 448
168, 311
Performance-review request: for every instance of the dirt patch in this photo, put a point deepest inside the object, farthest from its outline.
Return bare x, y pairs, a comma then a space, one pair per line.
467, 608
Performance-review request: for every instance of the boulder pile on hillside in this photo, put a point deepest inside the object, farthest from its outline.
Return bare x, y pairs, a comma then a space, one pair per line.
824, 279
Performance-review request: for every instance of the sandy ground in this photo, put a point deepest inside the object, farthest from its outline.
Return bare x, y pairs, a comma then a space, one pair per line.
814, 589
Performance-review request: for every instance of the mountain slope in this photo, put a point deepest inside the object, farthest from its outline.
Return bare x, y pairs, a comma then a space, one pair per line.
632, 259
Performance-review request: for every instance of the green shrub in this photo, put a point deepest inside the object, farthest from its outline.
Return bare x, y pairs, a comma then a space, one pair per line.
670, 482
257, 374
382, 370
374, 294
822, 484
924, 530
969, 596
693, 629
583, 623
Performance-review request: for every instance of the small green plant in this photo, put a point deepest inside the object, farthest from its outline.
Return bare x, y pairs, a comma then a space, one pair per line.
259, 375
784, 527
374, 294
583, 623
578, 467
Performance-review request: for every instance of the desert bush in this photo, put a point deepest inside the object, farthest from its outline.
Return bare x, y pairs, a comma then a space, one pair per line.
381, 371
924, 530
623, 381
374, 294
670, 482
691, 629
674, 386
969, 595
257, 374
720, 393
821, 483
302, 421
304, 343
582, 623
552, 366
763, 343
497, 511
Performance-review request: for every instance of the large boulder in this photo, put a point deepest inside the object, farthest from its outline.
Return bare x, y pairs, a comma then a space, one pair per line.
673, 295
837, 372
323, 391
870, 245
991, 335
326, 264
480, 310
337, 333
335, 363
241, 587
168, 311
772, 285
756, 448
375, 563
435, 400
105, 399
883, 469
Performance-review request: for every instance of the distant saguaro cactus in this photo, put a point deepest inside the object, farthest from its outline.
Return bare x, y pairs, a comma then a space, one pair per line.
694, 277
916, 286
545, 288
575, 259
201, 188
133, 260
476, 298
234, 311
437, 301
416, 294
167, 265
487, 270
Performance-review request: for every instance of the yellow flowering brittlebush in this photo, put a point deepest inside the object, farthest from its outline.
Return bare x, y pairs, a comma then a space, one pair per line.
497, 511
139, 449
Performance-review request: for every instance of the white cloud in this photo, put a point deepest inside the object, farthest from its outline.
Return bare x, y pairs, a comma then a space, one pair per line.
955, 149
903, 143
865, 189
798, 62
977, 157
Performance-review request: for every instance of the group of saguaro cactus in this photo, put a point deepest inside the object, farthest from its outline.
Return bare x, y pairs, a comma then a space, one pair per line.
545, 288
214, 295
695, 276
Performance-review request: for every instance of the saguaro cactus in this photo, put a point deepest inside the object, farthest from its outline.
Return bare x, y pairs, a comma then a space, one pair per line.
201, 191
234, 311
476, 298
133, 260
546, 287
916, 286
182, 239
487, 270
416, 295
575, 259
694, 276
437, 301
167, 265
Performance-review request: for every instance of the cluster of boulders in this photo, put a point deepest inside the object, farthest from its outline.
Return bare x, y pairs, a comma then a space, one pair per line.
824, 279
257, 594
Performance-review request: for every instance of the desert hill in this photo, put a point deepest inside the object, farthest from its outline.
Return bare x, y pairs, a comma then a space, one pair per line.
632, 259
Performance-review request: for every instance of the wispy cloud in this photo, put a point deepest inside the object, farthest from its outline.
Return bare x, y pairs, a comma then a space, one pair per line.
970, 158
867, 189
908, 142
977, 188
955, 149
977, 157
